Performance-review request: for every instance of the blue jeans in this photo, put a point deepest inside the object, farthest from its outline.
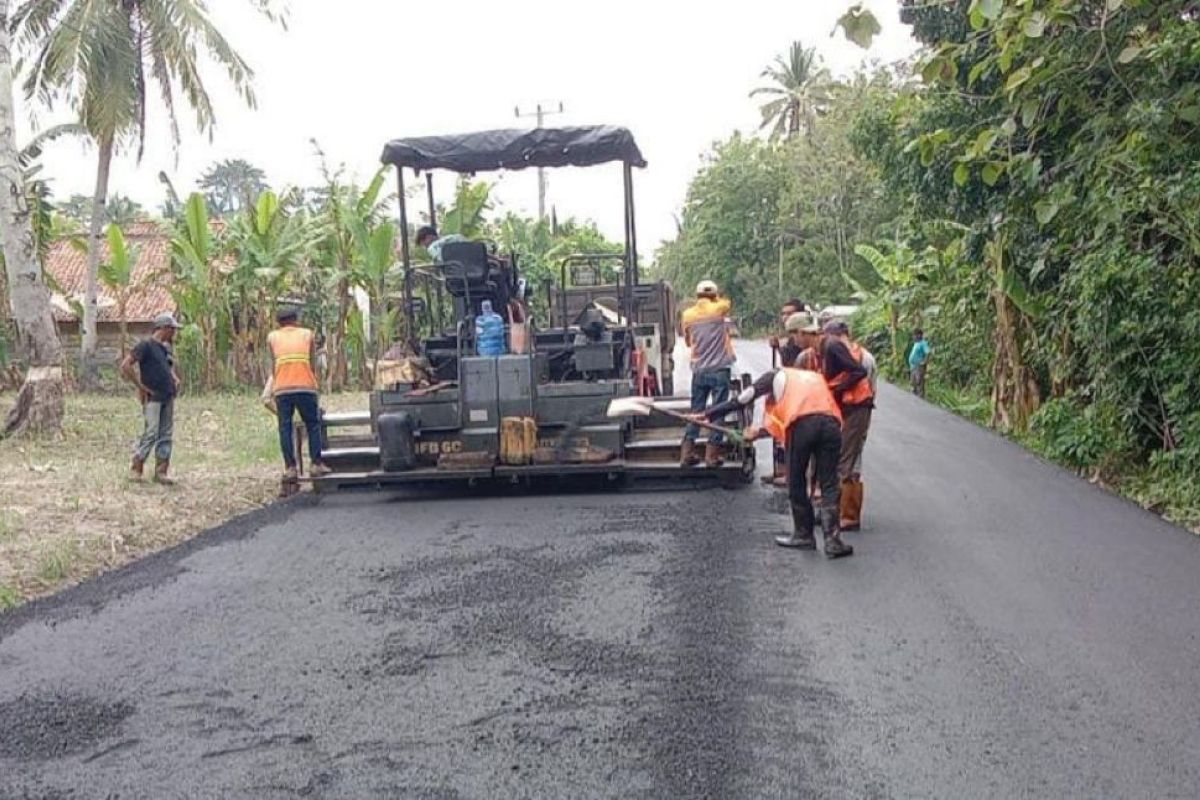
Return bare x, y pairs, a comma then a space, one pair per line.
710, 384
306, 404
157, 431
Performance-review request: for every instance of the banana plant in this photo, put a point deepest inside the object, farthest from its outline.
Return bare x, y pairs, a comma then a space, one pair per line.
198, 290
899, 271
116, 273
375, 258
267, 245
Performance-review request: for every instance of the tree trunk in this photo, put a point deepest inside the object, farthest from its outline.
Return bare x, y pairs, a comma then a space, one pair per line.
39, 406
89, 369
339, 368
124, 300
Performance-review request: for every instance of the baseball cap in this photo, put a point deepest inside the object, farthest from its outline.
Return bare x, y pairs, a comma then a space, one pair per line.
706, 288
798, 322
166, 321
837, 327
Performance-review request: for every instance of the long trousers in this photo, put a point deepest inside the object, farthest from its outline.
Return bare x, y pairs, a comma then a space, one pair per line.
854, 438
817, 438
709, 387
306, 404
157, 432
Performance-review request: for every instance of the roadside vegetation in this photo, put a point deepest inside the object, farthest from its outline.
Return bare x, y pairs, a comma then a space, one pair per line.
70, 512
1023, 191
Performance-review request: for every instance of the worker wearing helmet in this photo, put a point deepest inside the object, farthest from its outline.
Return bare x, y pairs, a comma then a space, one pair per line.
706, 332
802, 415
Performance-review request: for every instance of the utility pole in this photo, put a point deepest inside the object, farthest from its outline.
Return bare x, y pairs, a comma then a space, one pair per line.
540, 113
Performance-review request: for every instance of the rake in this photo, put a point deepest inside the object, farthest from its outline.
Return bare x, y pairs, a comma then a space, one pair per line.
645, 406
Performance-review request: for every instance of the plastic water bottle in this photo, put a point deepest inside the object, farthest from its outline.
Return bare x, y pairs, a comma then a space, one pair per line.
489, 331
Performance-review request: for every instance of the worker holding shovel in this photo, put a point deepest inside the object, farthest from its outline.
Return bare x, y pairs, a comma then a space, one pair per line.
802, 415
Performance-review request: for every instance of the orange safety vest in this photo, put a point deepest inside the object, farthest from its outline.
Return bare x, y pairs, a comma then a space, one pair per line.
805, 394
292, 349
862, 393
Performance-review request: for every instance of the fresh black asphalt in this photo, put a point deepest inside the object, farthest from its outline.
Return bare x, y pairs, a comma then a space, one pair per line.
1004, 630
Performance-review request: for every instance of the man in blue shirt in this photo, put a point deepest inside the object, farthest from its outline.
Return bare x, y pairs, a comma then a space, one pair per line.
918, 361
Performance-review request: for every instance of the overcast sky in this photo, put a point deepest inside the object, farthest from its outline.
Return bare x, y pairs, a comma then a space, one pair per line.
354, 73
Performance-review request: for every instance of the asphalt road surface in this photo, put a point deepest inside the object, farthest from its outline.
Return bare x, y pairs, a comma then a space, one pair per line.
1004, 630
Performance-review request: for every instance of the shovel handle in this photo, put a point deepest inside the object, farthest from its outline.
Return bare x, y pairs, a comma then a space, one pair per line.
732, 434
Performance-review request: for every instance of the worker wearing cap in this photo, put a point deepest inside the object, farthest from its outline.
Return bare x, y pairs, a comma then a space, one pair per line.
848, 368
811, 345
802, 415
294, 386
706, 332
150, 366
790, 349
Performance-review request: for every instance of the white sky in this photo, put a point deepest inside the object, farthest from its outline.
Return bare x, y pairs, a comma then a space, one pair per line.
355, 73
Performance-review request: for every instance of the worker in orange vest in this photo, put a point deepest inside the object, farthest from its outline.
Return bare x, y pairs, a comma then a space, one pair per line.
847, 367
294, 386
801, 414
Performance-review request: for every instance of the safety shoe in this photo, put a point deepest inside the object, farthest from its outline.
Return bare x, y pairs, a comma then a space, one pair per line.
135, 470
688, 457
836, 548
801, 536
797, 540
319, 470
713, 455
160, 473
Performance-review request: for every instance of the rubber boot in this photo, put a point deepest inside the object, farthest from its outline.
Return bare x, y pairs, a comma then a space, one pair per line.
851, 512
713, 455
847, 520
688, 457
135, 469
834, 546
801, 537
161, 468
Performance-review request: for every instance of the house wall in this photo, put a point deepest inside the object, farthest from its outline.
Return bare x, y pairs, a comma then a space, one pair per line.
109, 334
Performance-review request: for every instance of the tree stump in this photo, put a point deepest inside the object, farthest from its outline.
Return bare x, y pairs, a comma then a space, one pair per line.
39, 406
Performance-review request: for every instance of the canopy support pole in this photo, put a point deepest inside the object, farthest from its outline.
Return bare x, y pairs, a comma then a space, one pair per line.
631, 266
429, 194
406, 259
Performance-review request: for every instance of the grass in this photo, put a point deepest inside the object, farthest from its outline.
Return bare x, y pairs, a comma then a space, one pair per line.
70, 512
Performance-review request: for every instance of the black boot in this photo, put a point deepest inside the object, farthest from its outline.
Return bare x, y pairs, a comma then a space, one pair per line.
801, 536
834, 546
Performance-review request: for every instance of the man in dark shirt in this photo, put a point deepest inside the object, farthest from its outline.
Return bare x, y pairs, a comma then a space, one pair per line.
150, 366
786, 345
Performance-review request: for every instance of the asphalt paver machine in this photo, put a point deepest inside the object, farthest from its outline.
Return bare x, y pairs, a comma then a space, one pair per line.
541, 408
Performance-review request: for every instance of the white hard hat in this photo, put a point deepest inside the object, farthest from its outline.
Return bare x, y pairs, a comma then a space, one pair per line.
704, 288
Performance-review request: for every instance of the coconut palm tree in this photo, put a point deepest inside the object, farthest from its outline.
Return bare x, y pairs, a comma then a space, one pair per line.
39, 405
101, 56
799, 92
231, 185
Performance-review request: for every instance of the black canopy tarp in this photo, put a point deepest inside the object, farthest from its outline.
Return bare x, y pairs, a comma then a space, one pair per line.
516, 149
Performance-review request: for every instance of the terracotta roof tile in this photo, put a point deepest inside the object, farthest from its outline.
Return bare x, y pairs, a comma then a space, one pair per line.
67, 263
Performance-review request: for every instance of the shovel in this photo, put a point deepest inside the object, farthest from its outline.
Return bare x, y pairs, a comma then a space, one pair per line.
644, 406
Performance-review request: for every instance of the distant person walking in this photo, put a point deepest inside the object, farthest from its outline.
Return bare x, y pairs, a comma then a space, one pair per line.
150, 366
294, 386
918, 361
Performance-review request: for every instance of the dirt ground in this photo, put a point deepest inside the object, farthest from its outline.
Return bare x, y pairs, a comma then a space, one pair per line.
68, 511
